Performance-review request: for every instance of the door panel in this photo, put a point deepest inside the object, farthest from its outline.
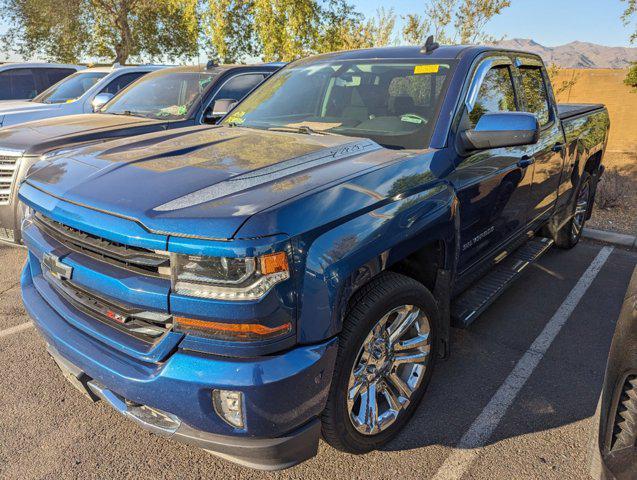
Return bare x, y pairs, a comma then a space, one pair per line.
493, 189
547, 153
494, 194
547, 170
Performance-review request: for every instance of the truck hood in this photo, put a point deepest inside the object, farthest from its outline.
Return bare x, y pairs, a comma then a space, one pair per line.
20, 112
9, 108
40, 136
203, 181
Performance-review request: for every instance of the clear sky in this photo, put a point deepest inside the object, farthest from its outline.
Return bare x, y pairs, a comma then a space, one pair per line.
549, 22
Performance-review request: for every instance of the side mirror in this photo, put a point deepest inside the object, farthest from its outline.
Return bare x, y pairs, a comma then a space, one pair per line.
219, 110
502, 129
100, 100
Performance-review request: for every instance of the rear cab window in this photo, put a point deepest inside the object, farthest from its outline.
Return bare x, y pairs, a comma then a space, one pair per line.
17, 84
535, 94
50, 76
239, 86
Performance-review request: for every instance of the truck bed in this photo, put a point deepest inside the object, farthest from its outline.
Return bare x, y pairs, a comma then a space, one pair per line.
568, 110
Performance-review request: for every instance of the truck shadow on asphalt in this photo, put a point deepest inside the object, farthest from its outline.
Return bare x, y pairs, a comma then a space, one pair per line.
565, 386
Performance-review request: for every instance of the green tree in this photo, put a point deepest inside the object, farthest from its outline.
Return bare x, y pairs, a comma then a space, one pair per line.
373, 32
340, 27
472, 17
453, 21
54, 29
629, 13
631, 78
286, 29
227, 27
415, 29
66, 30
440, 14
627, 17
382, 27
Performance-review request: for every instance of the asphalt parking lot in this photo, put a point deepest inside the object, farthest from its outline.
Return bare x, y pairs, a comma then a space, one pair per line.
515, 400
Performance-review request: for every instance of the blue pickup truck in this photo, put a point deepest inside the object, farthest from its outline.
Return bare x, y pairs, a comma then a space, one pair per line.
294, 271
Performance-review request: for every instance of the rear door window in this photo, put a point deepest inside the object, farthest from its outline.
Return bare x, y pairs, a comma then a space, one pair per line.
535, 94
121, 82
51, 76
238, 87
17, 84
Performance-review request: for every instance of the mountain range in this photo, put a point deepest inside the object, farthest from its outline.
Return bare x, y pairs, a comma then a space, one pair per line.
577, 54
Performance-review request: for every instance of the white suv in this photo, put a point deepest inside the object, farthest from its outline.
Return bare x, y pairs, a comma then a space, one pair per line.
73, 95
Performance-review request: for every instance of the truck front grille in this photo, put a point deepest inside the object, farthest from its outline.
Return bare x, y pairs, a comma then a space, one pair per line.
139, 260
145, 325
8, 165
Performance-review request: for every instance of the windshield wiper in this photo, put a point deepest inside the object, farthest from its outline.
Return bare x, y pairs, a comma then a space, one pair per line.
305, 129
127, 113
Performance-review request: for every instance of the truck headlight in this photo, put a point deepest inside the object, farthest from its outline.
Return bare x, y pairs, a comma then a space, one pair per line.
223, 278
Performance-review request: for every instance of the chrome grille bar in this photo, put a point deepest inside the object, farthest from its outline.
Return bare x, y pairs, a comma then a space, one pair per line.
140, 260
8, 165
147, 326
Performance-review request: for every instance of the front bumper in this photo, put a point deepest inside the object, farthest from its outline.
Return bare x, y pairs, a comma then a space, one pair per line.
284, 394
263, 454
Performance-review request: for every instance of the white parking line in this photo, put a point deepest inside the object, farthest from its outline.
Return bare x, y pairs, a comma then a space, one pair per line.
468, 449
16, 329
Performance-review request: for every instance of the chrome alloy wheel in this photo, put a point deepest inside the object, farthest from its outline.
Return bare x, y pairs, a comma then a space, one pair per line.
581, 208
388, 369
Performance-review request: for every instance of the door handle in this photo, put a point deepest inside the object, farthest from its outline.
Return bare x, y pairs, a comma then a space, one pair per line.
526, 161
558, 147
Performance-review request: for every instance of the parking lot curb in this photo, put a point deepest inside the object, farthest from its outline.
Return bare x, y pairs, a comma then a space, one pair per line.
614, 238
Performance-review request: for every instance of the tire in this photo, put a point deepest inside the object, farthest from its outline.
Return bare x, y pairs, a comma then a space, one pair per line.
405, 298
569, 235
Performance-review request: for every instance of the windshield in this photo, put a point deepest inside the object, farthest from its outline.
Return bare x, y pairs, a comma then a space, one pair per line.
71, 88
163, 95
394, 103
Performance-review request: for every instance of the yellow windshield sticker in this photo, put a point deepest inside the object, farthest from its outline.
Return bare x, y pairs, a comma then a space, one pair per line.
422, 69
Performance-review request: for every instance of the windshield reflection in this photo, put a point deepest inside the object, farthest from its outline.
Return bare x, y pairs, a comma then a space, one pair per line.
70, 89
393, 102
162, 95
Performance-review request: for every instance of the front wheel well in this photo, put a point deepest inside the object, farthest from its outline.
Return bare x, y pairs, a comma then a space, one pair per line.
423, 264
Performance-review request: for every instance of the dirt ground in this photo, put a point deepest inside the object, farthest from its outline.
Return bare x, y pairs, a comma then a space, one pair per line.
606, 86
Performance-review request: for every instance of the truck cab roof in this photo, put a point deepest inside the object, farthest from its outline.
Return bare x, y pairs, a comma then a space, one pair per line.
446, 52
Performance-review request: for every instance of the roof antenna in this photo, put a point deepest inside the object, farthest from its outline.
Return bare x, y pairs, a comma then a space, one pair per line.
430, 45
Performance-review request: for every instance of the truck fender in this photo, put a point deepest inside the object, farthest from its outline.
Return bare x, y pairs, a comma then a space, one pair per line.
341, 260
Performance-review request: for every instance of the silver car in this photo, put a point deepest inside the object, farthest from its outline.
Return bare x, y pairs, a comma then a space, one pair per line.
81, 92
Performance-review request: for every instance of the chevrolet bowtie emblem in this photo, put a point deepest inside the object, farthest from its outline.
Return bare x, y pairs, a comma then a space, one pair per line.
55, 267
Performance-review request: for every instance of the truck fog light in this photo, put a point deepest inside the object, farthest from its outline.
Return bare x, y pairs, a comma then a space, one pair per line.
229, 406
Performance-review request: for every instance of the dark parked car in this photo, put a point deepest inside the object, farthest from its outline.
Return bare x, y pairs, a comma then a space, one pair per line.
23, 81
616, 455
166, 99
